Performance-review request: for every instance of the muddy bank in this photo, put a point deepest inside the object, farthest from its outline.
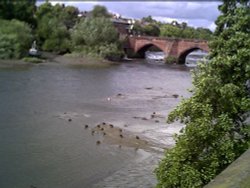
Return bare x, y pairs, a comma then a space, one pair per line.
70, 60
122, 137
82, 61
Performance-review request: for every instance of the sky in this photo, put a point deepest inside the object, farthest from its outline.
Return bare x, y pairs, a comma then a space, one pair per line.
194, 13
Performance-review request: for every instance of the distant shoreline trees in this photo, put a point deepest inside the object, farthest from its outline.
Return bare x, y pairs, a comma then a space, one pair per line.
151, 27
55, 28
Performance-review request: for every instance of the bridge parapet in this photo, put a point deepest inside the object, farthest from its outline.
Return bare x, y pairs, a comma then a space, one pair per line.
167, 38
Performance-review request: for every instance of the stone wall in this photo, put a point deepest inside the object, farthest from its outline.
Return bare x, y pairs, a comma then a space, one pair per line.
236, 175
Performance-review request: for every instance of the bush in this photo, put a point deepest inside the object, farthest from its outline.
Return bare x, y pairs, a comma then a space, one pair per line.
170, 60
54, 34
33, 60
53, 25
94, 31
15, 39
110, 52
96, 37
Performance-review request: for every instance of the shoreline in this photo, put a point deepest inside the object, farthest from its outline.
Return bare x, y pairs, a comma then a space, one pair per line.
54, 59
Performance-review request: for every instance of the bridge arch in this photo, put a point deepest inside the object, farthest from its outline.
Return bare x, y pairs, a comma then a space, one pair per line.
182, 56
141, 51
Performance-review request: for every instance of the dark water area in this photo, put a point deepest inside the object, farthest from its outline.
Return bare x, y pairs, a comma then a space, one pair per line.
40, 147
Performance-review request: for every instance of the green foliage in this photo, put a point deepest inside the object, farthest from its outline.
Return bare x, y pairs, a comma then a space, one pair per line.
148, 19
168, 30
111, 52
96, 35
14, 44
100, 11
138, 28
216, 132
182, 30
171, 59
32, 60
151, 30
150, 27
94, 31
70, 16
57, 36
53, 27
22, 10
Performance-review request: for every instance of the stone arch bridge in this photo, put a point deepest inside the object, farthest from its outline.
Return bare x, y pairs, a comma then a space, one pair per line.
178, 48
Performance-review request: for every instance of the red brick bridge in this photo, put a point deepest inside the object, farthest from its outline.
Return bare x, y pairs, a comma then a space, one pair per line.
178, 48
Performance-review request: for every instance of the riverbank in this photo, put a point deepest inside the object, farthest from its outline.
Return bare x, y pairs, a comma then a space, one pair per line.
73, 60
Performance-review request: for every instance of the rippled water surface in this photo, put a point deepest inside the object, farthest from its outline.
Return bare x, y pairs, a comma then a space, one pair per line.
40, 147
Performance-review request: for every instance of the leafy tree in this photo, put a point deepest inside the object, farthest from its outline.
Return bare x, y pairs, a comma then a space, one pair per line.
94, 31
53, 27
204, 33
18, 9
183, 25
100, 11
56, 35
169, 30
95, 35
216, 132
151, 30
70, 16
138, 29
14, 44
184, 31
189, 32
148, 19
45, 9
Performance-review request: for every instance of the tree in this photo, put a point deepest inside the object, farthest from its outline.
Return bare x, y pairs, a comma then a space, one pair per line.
56, 35
22, 10
94, 31
204, 33
189, 32
216, 132
169, 30
138, 29
53, 27
184, 31
183, 25
70, 16
151, 30
14, 44
100, 11
96, 35
148, 19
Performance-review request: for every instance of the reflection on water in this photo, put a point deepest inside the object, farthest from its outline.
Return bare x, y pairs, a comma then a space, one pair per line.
39, 146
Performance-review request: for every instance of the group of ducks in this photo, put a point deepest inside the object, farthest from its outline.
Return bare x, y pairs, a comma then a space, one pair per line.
104, 126
116, 132
153, 115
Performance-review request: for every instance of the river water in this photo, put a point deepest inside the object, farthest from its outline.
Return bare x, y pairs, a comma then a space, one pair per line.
44, 109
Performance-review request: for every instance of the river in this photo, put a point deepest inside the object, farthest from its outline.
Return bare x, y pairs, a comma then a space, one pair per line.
44, 110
